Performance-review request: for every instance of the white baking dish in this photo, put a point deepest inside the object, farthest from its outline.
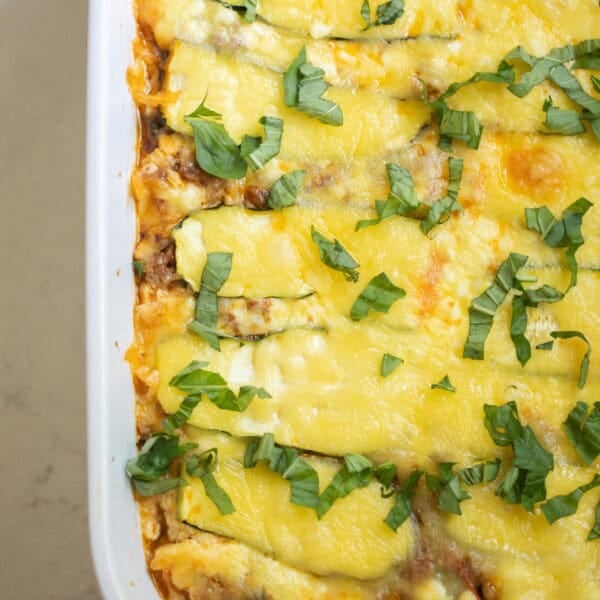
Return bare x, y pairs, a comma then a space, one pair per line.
111, 125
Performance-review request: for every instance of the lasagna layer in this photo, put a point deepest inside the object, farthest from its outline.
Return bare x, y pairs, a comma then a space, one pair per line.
369, 402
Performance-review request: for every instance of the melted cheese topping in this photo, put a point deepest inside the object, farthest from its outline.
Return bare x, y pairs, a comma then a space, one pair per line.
266, 519
321, 368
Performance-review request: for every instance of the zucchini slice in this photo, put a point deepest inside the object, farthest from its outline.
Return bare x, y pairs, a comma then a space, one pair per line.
249, 572
314, 377
529, 554
193, 72
351, 539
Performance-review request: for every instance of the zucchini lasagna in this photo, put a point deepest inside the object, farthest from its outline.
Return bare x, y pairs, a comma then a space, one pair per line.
368, 298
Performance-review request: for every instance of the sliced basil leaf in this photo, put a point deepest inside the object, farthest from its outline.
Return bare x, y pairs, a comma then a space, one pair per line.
195, 381
518, 326
461, 125
258, 152
440, 210
402, 508
585, 361
304, 87
481, 473
215, 274
595, 532
202, 467
386, 474
138, 268
379, 295
565, 233
389, 363
402, 198
483, 308
155, 488
444, 384
456, 125
286, 462
541, 68
183, 414
387, 13
525, 481
251, 8
154, 460
583, 431
568, 83
357, 472
545, 346
595, 81
447, 488
335, 256
565, 505
561, 121
202, 111
504, 74
284, 191
216, 152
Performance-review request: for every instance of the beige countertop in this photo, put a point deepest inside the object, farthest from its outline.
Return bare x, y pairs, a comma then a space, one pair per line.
43, 517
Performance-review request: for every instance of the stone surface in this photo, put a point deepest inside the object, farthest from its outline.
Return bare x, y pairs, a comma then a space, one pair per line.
43, 520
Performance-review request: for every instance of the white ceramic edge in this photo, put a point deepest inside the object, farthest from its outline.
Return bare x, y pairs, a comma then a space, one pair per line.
110, 232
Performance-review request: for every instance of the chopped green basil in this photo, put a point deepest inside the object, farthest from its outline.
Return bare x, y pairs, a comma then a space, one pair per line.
484, 307
595, 532
504, 74
335, 256
286, 462
525, 481
447, 488
154, 460
258, 152
565, 505
461, 125
202, 466
583, 431
215, 274
402, 199
457, 125
402, 507
357, 472
304, 87
541, 68
530, 298
389, 363
595, 82
444, 384
480, 473
216, 152
561, 121
440, 210
284, 191
183, 414
196, 381
565, 233
379, 295
138, 268
251, 8
585, 361
387, 13
586, 55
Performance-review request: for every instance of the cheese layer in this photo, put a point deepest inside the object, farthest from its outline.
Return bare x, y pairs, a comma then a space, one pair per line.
265, 519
